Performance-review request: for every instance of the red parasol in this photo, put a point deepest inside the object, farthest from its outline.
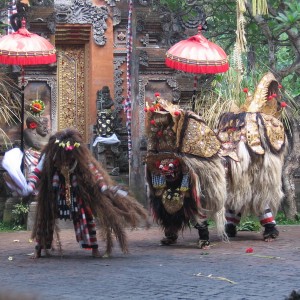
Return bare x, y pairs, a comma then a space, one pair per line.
25, 48
197, 55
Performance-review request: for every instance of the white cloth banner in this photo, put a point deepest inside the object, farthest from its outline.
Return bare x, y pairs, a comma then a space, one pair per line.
109, 140
11, 162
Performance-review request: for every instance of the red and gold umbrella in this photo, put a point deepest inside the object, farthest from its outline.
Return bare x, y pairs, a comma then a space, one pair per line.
24, 48
197, 55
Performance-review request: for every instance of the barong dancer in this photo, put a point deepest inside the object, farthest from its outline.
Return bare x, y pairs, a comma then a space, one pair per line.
254, 145
186, 178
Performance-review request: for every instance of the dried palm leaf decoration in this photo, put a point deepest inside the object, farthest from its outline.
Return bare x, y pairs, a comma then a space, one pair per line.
259, 7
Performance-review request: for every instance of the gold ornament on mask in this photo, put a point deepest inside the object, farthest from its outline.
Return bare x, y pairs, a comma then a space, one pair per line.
172, 200
65, 171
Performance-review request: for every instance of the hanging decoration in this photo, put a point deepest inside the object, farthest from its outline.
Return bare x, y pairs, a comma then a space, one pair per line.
240, 31
37, 107
259, 7
240, 45
127, 102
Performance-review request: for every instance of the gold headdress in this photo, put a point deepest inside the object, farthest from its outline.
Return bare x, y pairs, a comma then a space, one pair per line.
243, 123
265, 98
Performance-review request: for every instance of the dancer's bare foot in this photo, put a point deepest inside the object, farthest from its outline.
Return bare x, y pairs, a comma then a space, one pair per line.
37, 252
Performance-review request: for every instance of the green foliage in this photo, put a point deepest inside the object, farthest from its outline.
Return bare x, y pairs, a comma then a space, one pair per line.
19, 214
283, 16
251, 223
282, 220
4, 227
290, 17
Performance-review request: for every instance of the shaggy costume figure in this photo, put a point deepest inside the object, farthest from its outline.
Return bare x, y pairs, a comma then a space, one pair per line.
185, 176
71, 184
254, 145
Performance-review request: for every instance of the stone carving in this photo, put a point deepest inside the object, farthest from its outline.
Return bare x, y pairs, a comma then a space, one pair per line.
144, 59
121, 36
196, 17
118, 86
117, 16
83, 12
111, 2
36, 135
106, 143
175, 24
140, 25
51, 23
44, 3
52, 83
105, 118
63, 11
144, 2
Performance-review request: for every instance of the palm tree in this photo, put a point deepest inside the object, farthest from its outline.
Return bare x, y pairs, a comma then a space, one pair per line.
10, 106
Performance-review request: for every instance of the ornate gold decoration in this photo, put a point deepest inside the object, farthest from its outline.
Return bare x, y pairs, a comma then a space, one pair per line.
197, 139
229, 139
172, 200
275, 131
72, 82
172, 129
252, 134
65, 171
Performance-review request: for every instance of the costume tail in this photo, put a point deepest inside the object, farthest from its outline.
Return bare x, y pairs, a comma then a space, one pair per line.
115, 211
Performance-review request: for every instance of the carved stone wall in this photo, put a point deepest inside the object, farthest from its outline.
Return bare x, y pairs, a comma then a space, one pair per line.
83, 12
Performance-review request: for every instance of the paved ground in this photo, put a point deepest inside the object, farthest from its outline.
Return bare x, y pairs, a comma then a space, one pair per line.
152, 271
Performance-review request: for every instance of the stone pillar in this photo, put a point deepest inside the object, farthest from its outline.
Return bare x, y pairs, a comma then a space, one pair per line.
9, 206
31, 215
137, 175
2, 206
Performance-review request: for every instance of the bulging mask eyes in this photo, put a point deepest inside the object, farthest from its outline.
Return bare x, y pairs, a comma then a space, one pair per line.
171, 166
161, 167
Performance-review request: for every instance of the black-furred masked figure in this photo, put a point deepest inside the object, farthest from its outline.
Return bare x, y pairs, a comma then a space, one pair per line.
71, 184
186, 177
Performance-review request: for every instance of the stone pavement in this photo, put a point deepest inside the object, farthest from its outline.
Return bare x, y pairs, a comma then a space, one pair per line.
151, 271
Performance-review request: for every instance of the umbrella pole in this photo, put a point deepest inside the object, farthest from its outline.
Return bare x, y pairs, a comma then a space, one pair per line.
22, 115
194, 93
